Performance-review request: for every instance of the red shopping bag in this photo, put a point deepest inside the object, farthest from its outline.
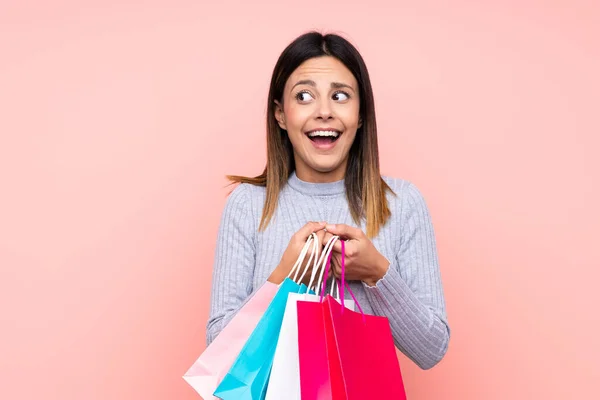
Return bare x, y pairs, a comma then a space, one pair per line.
336, 379
367, 355
312, 351
320, 374
346, 355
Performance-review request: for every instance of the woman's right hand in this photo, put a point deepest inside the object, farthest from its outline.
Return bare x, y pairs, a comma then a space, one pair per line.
292, 252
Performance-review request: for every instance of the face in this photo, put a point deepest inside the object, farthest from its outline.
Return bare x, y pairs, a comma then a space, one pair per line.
320, 112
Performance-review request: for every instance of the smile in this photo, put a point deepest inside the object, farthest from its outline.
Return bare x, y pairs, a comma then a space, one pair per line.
324, 139
324, 135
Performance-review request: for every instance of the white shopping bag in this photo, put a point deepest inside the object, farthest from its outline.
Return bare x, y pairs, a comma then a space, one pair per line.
284, 381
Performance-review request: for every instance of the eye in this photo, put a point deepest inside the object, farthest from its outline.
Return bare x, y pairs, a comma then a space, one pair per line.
341, 96
304, 96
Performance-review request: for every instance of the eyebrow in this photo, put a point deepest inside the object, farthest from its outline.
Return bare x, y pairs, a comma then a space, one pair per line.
334, 85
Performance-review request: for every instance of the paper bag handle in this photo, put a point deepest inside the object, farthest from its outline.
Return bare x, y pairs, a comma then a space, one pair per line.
321, 264
343, 284
314, 240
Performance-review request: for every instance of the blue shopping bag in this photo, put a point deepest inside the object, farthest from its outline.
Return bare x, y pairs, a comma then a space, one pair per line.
248, 377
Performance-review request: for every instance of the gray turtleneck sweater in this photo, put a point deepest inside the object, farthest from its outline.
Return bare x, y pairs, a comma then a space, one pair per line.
410, 295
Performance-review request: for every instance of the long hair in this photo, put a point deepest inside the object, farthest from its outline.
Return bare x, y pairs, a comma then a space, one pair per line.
365, 188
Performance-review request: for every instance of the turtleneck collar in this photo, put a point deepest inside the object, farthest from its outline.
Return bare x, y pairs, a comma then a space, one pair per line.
316, 189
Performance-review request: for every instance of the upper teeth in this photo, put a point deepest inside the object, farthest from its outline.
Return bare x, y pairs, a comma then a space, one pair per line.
324, 133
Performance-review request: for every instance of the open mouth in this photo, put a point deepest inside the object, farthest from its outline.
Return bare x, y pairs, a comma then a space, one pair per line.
324, 137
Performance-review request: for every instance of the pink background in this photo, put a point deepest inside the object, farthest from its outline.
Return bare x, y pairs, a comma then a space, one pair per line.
114, 120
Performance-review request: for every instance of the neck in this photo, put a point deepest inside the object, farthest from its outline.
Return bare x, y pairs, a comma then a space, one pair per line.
311, 188
307, 174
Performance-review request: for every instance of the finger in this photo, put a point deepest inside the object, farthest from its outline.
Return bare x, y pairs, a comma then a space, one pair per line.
336, 265
321, 236
350, 248
310, 228
332, 266
336, 271
337, 247
326, 237
344, 231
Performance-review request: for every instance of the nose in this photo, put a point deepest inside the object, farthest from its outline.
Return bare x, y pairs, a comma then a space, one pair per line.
324, 111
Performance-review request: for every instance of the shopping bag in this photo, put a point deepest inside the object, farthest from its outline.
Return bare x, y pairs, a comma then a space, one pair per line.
353, 357
284, 381
214, 362
316, 367
367, 356
249, 375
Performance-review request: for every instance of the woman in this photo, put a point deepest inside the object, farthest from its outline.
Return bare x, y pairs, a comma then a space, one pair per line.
323, 166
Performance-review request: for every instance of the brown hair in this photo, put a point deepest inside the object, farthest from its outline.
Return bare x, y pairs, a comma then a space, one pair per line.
365, 188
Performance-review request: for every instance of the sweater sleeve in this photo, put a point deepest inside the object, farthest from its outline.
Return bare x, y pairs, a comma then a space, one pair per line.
234, 259
410, 294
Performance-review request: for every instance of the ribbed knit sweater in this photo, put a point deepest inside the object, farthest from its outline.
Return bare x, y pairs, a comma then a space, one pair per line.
410, 294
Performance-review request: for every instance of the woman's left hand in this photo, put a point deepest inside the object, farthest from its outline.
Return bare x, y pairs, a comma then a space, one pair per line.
363, 262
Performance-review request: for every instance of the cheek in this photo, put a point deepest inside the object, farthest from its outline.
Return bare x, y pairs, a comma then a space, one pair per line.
351, 126
296, 118
349, 116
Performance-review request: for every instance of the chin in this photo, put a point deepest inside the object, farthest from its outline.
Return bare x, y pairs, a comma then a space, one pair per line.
325, 168
323, 163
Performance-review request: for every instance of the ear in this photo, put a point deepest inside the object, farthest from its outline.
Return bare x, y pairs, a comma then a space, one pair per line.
279, 115
360, 123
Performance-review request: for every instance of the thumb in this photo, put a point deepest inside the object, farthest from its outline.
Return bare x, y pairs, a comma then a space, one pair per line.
309, 228
343, 231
